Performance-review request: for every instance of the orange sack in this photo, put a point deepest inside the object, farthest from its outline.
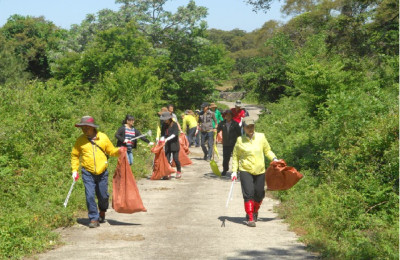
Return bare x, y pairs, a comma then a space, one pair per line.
219, 137
279, 176
126, 197
183, 151
161, 167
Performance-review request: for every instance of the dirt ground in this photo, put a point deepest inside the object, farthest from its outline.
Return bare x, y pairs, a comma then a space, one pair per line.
186, 219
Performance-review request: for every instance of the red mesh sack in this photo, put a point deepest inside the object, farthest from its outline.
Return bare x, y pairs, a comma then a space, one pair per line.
183, 151
219, 137
126, 197
279, 176
161, 166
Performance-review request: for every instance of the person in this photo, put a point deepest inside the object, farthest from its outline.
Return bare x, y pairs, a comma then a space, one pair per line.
170, 108
126, 133
197, 135
160, 123
218, 116
189, 126
230, 132
170, 135
238, 113
248, 158
207, 130
91, 151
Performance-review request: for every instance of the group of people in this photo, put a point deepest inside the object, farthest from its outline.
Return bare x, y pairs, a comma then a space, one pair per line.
246, 147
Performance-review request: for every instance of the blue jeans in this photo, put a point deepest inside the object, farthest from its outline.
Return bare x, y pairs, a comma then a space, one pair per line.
190, 135
95, 185
209, 137
129, 155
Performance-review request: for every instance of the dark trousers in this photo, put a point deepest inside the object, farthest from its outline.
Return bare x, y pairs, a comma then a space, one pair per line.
209, 138
95, 185
252, 186
197, 139
227, 153
174, 156
190, 135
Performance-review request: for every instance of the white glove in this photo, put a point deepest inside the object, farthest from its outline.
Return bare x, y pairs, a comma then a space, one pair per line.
240, 124
234, 176
275, 159
197, 131
126, 141
151, 144
75, 176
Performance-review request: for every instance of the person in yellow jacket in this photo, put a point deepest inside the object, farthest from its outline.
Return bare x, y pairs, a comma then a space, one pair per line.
248, 158
91, 151
189, 126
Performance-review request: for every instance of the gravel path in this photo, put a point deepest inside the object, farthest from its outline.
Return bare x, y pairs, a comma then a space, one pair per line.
184, 221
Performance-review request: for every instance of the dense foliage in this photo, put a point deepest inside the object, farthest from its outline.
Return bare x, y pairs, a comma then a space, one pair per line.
329, 78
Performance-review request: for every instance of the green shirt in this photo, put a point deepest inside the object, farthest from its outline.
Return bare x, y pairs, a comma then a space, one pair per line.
218, 116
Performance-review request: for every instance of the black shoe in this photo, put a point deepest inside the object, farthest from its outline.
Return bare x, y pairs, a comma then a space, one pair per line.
102, 217
223, 173
255, 217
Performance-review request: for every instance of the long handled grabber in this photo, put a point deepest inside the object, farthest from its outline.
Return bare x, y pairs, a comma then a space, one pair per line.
137, 137
69, 194
230, 197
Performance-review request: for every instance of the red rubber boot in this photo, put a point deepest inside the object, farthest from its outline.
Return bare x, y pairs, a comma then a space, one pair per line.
256, 208
249, 208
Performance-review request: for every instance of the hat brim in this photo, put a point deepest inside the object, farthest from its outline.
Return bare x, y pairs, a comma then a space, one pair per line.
165, 117
86, 124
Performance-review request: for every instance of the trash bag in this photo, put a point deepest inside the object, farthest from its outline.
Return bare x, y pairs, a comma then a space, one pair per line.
183, 151
219, 137
126, 197
279, 176
161, 166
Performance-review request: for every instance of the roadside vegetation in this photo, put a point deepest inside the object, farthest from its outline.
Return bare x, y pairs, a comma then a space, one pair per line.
328, 77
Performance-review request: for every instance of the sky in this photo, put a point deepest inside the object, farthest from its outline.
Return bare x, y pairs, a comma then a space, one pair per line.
222, 14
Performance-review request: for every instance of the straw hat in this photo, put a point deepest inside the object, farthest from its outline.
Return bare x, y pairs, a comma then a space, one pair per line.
213, 105
163, 109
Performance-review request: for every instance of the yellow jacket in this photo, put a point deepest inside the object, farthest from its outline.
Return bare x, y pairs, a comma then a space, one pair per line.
189, 120
248, 154
90, 156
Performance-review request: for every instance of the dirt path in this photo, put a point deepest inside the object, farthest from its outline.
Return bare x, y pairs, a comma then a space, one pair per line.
184, 221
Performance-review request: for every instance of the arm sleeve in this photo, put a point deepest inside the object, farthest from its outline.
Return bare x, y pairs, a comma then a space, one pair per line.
267, 150
235, 159
158, 132
219, 117
120, 134
110, 148
75, 154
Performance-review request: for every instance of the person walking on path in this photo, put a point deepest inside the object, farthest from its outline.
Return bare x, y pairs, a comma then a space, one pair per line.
126, 133
170, 108
189, 126
248, 158
238, 113
206, 119
197, 134
91, 151
170, 136
218, 116
230, 132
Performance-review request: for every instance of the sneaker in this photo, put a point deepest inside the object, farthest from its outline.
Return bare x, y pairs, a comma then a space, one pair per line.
167, 177
178, 175
223, 173
94, 223
251, 223
102, 217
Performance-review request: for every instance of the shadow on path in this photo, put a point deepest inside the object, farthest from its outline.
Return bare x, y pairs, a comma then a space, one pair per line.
85, 222
294, 251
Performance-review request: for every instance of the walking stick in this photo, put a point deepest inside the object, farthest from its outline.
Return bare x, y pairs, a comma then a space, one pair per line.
69, 194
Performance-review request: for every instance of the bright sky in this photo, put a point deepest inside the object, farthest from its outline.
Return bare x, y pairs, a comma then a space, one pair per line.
222, 14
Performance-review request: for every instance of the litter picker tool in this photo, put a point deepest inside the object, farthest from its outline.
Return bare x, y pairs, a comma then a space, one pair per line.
137, 137
230, 195
69, 194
